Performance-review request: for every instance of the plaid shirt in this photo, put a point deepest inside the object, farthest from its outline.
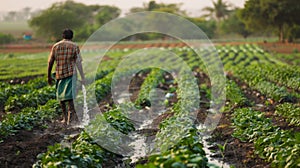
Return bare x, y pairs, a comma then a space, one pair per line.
65, 53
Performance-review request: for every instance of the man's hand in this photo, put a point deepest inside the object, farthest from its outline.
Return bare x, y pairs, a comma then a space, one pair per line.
50, 80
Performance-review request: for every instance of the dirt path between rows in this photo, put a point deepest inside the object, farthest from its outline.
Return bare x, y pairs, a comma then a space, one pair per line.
20, 150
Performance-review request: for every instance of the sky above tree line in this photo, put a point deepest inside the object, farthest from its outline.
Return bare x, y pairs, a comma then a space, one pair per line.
191, 6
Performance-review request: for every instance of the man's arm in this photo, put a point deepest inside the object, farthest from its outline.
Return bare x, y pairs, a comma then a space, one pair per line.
80, 69
50, 65
79, 64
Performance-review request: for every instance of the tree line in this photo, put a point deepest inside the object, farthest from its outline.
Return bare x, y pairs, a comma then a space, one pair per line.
271, 17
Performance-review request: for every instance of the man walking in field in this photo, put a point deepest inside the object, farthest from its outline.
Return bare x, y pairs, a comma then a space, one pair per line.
66, 55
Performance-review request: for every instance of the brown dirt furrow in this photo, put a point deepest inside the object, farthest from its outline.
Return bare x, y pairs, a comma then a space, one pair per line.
20, 150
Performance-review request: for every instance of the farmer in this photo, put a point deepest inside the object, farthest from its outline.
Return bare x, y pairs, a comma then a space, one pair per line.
66, 55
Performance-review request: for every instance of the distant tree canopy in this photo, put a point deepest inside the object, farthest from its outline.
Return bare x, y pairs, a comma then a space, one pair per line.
86, 19
207, 26
80, 17
160, 7
278, 15
6, 38
233, 24
219, 11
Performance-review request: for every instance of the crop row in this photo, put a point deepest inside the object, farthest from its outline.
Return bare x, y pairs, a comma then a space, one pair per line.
235, 96
32, 99
281, 74
28, 118
280, 147
152, 81
189, 148
85, 151
184, 151
290, 112
255, 80
242, 56
17, 90
178, 139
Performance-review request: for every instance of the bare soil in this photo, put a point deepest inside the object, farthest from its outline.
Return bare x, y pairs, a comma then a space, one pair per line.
21, 149
238, 153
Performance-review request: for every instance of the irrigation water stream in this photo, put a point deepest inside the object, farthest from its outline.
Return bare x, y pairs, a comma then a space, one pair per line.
85, 118
144, 145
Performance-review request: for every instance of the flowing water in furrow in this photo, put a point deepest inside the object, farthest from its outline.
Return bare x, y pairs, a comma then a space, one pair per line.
85, 118
208, 152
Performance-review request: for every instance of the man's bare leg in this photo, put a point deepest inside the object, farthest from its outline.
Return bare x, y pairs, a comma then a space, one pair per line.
64, 111
72, 112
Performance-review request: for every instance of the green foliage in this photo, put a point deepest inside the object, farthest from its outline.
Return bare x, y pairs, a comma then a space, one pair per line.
233, 24
219, 11
28, 118
186, 152
235, 95
151, 82
97, 91
293, 32
208, 27
255, 77
119, 121
183, 147
50, 22
280, 147
274, 14
32, 99
288, 76
108, 130
160, 7
19, 65
106, 13
291, 59
6, 38
103, 87
290, 112
178, 140
84, 152
20, 89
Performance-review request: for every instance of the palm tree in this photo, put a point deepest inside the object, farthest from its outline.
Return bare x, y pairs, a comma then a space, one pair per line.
219, 10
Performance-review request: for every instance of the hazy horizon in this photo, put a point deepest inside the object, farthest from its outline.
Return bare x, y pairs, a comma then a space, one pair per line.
191, 6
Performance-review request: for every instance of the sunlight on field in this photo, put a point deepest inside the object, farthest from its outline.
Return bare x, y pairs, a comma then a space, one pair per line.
22, 65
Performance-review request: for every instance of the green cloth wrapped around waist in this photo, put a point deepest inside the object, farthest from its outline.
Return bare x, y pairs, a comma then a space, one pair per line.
66, 88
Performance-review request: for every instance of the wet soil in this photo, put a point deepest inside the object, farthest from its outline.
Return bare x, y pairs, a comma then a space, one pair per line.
20, 150
237, 153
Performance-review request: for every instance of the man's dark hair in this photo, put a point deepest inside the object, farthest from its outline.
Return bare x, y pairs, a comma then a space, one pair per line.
67, 34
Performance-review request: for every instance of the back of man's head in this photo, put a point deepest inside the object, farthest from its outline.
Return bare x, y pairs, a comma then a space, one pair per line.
67, 34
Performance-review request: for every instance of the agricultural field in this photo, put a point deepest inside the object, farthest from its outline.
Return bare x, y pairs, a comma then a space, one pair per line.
22, 65
259, 123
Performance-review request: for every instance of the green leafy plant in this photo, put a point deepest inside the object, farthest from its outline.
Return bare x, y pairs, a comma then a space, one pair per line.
290, 112
29, 118
82, 153
222, 149
280, 147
